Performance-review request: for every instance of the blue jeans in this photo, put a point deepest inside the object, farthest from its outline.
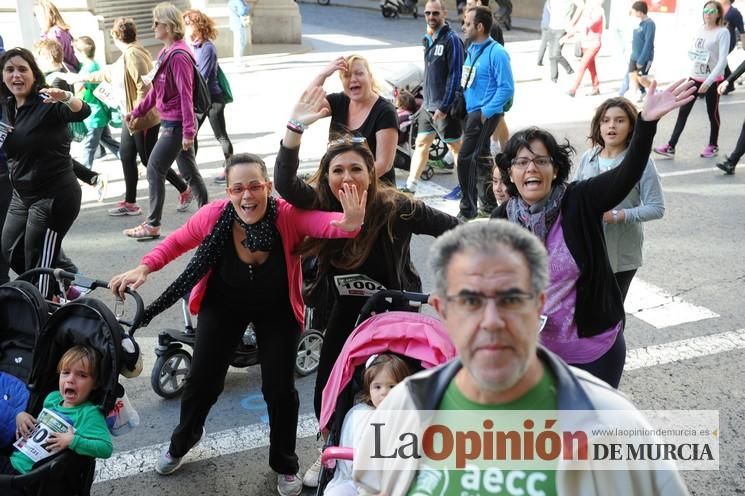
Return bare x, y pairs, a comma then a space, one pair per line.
95, 137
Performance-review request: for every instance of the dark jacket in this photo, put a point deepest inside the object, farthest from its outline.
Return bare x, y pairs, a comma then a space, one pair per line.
414, 218
599, 300
443, 65
736, 74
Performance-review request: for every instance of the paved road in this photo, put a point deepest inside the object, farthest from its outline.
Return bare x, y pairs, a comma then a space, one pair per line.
690, 259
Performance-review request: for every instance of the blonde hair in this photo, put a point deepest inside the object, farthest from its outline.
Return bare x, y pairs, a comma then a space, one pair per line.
50, 48
167, 13
351, 59
84, 354
52, 17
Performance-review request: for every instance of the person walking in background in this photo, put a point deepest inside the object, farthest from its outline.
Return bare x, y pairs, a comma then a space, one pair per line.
610, 134
238, 10
545, 33
708, 55
559, 18
734, 24
172, 94
200, 31
53, 27
98, 122
730, 162
590, 32
642, 48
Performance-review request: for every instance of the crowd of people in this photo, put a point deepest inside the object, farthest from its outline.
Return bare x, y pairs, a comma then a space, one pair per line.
558, 253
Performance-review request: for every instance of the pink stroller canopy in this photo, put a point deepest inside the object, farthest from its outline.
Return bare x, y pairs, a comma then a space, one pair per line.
414, 335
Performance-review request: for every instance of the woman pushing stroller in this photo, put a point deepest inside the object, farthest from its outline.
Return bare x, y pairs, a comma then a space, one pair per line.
244, 270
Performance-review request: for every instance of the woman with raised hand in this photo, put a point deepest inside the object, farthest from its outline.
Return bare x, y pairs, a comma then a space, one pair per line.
245, 269
379, 257
584, 305
360, 110
610, 134
172, 93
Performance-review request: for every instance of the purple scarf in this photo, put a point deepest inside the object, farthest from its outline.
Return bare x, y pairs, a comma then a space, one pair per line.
540, 222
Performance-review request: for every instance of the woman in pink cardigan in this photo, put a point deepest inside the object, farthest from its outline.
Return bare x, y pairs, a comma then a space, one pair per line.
244, 270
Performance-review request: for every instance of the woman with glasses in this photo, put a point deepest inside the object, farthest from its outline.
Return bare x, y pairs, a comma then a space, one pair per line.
583, 304
172, 94
708, 55
245, 269
361, 110
610, 134
379, 257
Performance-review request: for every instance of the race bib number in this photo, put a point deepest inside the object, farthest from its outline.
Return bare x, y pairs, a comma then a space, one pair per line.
5, 130
107, 94
35, 446
357, 285
467, 77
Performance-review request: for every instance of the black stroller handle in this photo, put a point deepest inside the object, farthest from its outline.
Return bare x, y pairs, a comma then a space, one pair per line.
375, 300
87, 282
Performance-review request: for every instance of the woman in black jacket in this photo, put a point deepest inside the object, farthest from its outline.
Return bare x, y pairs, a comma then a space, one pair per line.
379, 256
583, 302
46, 193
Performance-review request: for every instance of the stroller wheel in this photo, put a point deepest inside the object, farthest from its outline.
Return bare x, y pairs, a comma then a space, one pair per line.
438, 149
169, 373
387, 12
308, 352
428, 172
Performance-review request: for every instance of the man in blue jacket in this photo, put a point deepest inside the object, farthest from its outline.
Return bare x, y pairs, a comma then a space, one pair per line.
488, 87
443, 63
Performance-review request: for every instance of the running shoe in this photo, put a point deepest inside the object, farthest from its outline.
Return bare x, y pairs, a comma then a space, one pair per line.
727, 166
289, 485
455, 194
709, 151
666, 150
184, 200
407, 191
124, 208
168, 464
310, 479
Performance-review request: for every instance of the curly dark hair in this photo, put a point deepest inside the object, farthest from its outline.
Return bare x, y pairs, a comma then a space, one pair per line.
39, 80
124, 29
560, 153
381, 209
628, 108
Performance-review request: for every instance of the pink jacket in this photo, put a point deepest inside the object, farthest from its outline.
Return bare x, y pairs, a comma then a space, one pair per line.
293, 224
172, 91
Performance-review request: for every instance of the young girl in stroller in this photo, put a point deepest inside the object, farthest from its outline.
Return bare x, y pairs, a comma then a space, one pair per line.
87, 435
382, 373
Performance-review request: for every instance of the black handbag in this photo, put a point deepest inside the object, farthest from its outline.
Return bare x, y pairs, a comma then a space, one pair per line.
458, 107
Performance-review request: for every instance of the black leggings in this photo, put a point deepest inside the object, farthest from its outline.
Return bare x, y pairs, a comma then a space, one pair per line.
34, 229
712, 108
216, 116
6, 192
608, 367
739, 150
219, 331
624, 281
141, 143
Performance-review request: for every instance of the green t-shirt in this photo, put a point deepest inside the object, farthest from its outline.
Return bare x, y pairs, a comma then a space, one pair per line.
474, 481
100, 113
92, 437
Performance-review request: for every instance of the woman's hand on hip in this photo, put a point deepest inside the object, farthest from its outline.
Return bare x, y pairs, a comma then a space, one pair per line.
353, 204
659, 103
132, 278
311, 107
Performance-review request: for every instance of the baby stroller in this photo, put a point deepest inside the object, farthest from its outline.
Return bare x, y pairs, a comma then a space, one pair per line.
85, 321
411, 80
393, 8
421, 340
168, 376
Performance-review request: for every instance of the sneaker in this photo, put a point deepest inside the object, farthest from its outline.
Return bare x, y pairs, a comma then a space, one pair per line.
310, 479
463, 219
665, 151
571, 93
124, 208
184, 200
407, 191
143, 231
727, 166
289, 485
709, 151
167, 464
455, 194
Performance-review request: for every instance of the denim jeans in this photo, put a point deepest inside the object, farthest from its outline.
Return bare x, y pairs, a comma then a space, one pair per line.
95, 137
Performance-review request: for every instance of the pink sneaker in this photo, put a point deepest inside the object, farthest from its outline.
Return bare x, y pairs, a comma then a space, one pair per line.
124, 208
184, 200
709, 151
665, 150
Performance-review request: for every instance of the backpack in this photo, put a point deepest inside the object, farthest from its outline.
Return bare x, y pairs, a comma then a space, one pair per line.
202, 98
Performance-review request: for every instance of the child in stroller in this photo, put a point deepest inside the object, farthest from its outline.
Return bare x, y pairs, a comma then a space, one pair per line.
382, 373
68, 420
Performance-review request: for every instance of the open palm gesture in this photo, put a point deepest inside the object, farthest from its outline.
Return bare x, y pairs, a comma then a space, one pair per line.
311, 106
353, 205
660, 103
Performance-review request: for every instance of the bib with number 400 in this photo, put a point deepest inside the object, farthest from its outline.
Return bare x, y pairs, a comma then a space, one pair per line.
357, 285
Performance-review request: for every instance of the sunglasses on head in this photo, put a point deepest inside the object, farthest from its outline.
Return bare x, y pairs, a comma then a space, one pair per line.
348, 140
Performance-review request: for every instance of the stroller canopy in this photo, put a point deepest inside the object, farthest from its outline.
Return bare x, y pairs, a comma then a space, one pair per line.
23, 312
414, 335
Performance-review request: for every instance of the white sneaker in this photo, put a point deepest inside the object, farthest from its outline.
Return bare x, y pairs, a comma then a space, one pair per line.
312, 475
289, 485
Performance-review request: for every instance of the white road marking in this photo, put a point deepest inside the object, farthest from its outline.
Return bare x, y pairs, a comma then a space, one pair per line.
656, 307
689, 172
686, 349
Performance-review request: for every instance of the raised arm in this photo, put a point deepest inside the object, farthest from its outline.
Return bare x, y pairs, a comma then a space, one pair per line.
311, 107
338, 64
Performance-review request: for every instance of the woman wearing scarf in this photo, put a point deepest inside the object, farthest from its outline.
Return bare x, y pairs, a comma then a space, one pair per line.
244, 270
583, 302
